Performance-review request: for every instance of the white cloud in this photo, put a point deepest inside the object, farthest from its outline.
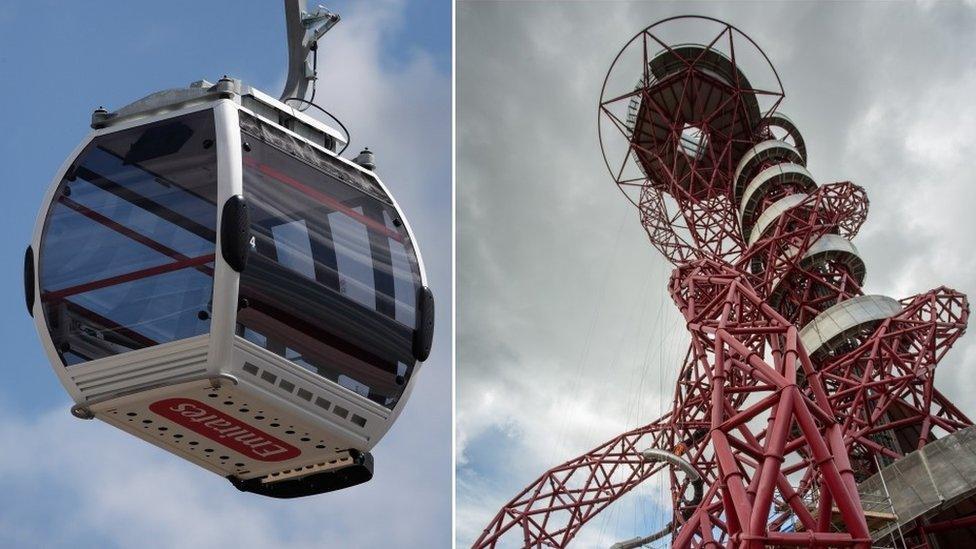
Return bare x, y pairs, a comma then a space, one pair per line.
917, 145
109, 489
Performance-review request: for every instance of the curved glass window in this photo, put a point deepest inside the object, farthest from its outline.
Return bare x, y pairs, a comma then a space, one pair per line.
127, 252
331, 280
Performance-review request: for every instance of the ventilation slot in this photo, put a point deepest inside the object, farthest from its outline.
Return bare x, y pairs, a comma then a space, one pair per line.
304, 394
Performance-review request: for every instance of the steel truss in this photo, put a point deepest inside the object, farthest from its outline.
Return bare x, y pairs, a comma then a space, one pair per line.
780, 420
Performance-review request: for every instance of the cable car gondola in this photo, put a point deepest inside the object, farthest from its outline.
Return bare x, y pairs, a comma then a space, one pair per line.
208, 274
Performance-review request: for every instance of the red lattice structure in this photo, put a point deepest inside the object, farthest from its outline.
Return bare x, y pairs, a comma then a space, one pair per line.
797, 385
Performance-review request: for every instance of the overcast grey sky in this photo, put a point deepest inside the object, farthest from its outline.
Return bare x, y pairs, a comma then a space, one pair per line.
566, 335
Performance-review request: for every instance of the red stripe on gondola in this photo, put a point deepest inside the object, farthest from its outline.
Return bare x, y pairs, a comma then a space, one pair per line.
322, 198
126, 231
128, 277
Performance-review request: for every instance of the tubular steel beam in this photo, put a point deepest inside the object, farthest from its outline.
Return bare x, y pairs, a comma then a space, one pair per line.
780, 433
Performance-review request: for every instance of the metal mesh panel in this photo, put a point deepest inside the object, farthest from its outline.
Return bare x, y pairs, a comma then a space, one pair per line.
933, 478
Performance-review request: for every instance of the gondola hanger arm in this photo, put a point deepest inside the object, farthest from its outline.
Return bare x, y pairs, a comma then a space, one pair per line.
304, 30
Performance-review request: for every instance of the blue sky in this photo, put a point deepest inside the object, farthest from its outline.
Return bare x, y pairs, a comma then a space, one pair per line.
386, 72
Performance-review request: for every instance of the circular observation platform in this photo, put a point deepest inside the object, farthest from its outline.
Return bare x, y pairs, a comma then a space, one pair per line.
693, 112
842, 326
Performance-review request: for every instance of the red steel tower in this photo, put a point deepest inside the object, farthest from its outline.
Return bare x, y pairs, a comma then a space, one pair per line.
805, 412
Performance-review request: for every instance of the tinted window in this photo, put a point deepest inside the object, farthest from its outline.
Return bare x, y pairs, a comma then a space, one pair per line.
128, 245
331, 281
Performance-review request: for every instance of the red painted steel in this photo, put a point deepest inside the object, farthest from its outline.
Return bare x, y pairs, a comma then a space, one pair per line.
129, 232
322, 198
780, 434
128, 277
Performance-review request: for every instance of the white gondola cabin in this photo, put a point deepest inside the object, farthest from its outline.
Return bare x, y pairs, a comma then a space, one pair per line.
207, 274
